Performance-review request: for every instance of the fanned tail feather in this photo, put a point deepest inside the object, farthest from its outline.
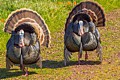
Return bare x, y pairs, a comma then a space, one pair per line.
95, 11
23, 15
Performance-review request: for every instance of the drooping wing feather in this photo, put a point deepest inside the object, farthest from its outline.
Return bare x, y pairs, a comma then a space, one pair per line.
26, 15
9, 64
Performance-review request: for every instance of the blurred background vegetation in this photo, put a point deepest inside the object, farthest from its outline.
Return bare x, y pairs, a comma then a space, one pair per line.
55, 12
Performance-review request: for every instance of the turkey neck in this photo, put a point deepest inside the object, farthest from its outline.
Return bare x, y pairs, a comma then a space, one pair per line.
80, 27
21, 38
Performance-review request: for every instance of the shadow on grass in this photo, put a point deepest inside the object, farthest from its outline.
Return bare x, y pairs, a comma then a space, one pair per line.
82, 62
4, 73
59, 64
49, 64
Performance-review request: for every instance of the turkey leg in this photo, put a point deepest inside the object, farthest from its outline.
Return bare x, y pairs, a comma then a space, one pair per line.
86, 55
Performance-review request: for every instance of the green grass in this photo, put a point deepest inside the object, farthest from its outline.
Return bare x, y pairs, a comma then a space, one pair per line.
55, 12
109, 5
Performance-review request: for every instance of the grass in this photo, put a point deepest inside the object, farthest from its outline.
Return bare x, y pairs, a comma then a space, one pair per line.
55, 13
109, 4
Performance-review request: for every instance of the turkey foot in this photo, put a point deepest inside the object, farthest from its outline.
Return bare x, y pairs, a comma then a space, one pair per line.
25, 72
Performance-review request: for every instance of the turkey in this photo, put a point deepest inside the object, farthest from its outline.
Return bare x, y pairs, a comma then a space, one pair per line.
81, 33
28, 32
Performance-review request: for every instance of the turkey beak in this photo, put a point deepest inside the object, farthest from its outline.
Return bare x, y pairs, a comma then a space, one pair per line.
21, 38
80, 28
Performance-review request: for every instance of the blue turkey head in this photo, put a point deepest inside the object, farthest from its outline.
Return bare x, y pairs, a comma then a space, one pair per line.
18, 38
21, 38
81, 23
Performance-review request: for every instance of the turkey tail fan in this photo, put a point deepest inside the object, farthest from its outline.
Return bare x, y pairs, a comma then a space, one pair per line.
21, 16
93, 9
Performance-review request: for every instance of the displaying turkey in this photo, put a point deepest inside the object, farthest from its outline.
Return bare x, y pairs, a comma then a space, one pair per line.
28, 32
81, 33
